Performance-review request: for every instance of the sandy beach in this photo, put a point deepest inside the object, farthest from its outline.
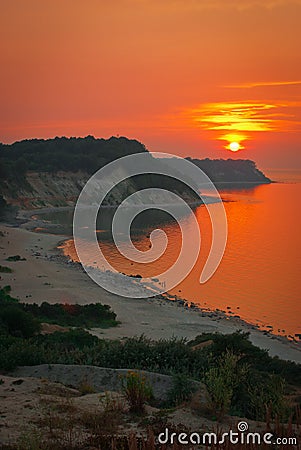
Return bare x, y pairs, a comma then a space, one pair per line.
45, 275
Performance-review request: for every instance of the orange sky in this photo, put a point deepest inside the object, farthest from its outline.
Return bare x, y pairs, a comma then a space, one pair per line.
183, 76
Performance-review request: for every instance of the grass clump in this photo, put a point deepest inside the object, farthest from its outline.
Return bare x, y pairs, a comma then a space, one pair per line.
85, 387
107, 418
137, 391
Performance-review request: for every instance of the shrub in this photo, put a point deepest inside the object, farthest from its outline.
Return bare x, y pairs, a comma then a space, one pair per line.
75, 338
267, 397
5, 297
18, 322
137, 390
93, 314
257, 358
222, 379
181, 391
22, 352
5, 269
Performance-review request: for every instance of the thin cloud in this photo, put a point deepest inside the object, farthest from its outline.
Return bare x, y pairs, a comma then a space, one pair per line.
264, 84
235, 121
214, 4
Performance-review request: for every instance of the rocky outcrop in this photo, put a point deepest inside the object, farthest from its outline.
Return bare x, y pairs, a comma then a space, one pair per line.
100, 378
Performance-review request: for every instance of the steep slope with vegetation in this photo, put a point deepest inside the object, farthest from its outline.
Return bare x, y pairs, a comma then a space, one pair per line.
44, 173
51, 173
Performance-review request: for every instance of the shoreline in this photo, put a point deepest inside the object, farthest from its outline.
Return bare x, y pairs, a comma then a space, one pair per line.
46, 275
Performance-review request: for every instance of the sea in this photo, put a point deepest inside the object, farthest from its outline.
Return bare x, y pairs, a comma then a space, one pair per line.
258, 278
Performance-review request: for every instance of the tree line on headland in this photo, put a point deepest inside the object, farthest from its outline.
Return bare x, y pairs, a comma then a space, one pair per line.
88, 154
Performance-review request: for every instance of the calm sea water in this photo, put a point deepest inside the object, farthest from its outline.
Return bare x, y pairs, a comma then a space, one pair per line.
259, 276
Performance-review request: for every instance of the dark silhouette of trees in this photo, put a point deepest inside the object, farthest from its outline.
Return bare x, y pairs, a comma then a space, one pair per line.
66, 154
231, 170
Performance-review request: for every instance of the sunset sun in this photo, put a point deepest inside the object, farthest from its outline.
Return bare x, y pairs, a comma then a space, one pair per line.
234, 146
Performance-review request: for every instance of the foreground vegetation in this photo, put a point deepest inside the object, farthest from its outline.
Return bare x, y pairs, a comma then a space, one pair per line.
241, 378
102, 434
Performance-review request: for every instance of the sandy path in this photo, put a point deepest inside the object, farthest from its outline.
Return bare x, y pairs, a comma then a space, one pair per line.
43, 277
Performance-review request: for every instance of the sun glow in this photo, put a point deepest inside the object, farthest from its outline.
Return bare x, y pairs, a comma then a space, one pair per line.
234, 141
238, 122
234, 146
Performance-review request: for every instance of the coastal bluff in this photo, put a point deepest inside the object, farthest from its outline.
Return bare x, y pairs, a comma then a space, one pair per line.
231, 172
39, 173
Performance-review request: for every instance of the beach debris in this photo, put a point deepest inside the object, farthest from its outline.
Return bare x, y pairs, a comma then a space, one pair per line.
15, 258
